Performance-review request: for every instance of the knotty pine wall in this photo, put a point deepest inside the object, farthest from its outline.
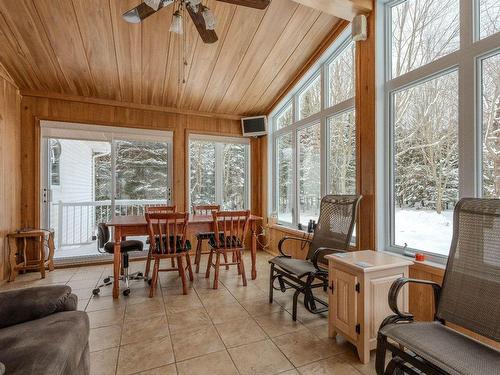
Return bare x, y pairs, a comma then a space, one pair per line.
34, 109
10, 165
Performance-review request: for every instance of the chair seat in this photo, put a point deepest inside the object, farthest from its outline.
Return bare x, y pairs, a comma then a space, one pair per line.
230, 241
445, 348
179, 247
204, 235
125, 246
297, 267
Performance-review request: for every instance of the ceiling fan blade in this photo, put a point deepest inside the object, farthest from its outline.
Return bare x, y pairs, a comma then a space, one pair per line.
257, 4
208, 36
143, 11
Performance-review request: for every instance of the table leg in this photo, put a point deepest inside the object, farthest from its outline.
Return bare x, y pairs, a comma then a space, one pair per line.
116, 262
12, 258
50, 240
254, 249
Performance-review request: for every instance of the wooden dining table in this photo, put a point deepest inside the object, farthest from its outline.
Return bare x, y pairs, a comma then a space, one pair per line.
136, 226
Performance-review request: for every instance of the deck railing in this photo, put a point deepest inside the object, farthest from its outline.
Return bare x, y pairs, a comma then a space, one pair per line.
77, 221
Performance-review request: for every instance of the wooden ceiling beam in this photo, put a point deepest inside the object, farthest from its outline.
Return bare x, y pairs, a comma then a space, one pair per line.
116, 103
345, 9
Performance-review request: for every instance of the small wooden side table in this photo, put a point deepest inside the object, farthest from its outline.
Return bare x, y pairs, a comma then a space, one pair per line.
359, 283
19, 260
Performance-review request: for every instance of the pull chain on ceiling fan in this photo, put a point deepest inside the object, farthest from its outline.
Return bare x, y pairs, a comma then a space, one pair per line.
202, 17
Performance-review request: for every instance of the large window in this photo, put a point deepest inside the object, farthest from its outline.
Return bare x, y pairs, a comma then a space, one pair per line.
314, 138
219, 171
439, 51
490, 90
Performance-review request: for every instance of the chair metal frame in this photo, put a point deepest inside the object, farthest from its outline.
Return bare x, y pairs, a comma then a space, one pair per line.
404, 361
125, 276
288, 281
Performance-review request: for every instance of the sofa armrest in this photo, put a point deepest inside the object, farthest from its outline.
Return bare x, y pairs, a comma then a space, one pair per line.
22, 305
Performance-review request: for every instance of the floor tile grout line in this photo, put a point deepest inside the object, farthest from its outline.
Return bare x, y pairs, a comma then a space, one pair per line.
168, 327
216, 330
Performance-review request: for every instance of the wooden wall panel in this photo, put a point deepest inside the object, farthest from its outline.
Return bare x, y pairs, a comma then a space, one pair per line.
10, 167
34, 109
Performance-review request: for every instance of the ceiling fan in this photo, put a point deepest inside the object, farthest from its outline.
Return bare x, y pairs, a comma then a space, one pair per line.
202, 16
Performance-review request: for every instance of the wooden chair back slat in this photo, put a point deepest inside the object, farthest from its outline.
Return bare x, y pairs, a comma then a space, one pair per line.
234, 227
161, 225
160, 208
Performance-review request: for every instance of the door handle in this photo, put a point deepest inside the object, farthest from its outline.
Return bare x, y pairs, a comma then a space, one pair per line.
45, 195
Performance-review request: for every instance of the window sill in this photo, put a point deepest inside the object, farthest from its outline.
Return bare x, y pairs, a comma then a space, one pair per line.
289, 230
426, 265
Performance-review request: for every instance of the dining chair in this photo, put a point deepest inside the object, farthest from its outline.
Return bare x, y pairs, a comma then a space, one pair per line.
157, 209
229, 232
204, 210
167, 239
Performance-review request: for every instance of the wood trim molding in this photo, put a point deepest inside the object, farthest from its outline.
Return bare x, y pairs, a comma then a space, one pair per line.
345, 9
116, 103
4, 73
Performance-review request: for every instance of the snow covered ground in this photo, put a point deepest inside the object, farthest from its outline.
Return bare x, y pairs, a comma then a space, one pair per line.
424, 229
420, 229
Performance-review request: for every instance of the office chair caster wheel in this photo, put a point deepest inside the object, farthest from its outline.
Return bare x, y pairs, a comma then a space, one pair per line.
139, 274
126, 292
96, 291
107, 280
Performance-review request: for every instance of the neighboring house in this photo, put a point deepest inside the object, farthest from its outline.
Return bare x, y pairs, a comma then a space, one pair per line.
73, 181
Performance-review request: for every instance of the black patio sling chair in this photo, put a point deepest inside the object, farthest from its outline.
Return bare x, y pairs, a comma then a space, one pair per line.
332, 234
469, 298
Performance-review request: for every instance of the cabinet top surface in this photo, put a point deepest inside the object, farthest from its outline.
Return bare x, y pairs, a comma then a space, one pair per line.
368, 260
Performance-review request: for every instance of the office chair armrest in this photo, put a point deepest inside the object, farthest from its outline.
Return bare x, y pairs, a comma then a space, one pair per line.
286, 238
396, 287
323, 250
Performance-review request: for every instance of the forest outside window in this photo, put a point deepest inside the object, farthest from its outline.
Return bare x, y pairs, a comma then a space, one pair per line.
313, 140
433, 160
489, 17
490, 92
219, 171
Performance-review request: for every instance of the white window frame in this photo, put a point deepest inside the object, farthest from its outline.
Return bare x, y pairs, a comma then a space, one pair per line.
466, 60
319, 68
219, 149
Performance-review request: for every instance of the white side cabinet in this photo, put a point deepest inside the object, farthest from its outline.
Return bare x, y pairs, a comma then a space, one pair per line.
359, 283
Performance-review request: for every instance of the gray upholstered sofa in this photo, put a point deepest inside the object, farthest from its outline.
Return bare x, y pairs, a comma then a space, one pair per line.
42, 333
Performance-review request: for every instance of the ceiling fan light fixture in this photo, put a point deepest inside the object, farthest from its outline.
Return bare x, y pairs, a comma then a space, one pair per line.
194, 4
155, 4
209, 17
176, 25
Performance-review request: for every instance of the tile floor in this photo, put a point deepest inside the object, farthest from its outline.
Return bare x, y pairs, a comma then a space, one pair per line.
232, 330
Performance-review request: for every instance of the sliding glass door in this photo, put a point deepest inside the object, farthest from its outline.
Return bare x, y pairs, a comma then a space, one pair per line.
87, 181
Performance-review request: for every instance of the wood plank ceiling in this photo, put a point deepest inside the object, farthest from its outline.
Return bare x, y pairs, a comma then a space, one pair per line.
84, 48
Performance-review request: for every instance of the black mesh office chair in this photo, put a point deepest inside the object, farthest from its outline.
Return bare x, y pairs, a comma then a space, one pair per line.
332, 234
104, 245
